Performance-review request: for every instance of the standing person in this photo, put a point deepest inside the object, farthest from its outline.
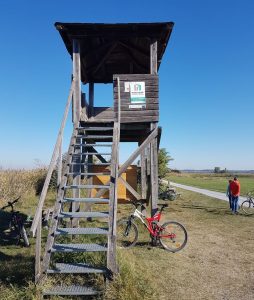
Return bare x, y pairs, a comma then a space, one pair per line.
235, 192
229, 194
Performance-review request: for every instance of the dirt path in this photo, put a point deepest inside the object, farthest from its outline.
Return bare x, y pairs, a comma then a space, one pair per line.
213, 194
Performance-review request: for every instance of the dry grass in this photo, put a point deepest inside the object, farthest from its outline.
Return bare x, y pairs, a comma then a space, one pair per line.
216, 264
14, 183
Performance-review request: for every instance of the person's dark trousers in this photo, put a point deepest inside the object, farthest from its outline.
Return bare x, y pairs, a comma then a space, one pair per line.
235, 203
230, 201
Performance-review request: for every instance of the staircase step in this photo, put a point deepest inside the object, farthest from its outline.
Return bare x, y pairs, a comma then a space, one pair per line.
89, 173
90, 153
77, 268
92, 145
94, 137
66, 231
86, 200
89, 164
96, 128
78, 248
87, 186
71, 290
89, 214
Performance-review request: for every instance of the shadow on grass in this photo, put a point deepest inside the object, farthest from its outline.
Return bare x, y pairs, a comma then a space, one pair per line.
215, 210
16, 269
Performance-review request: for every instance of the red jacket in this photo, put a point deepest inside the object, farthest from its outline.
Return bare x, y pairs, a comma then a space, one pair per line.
235, 188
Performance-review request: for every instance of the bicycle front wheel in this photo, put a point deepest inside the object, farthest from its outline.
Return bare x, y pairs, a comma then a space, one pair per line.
127, 233
247, 207
173, 236
24, 236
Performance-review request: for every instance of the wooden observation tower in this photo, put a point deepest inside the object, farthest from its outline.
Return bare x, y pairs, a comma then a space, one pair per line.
127, 56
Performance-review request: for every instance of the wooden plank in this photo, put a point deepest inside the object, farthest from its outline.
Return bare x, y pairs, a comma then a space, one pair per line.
59, 166
102, 60
137, 120
135, 77
111, 253
154, 173
91, 99
134, 113
153, 57
77, 81
125, 107
130, 188
75, 206
38, 252
131, 159
149, 94
52, 164
84, 108
143, 174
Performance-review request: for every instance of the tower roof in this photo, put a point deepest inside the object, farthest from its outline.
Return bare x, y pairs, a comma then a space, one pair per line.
107, 49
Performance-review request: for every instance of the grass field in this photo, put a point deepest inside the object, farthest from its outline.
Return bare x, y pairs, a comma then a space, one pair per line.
213, 181
217, 262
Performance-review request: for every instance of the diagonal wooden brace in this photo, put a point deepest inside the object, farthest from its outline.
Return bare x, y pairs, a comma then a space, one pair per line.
131, 159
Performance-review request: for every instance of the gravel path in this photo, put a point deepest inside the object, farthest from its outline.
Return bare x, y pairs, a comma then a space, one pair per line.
217, 195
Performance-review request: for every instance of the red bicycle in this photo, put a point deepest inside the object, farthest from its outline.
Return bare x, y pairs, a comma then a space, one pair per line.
171, 235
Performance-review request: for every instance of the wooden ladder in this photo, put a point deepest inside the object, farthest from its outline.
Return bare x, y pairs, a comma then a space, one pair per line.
74, 232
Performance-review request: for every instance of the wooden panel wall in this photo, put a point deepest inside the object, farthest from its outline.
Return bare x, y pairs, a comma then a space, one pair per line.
132, 115
123, 194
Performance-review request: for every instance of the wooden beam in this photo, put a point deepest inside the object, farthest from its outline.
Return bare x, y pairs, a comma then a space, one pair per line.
154, 172
131, 159
130, 188
103, 59
111, 253
38, 252
143, 174
93, 150
91, 99
77, 82
59, 166
153, 57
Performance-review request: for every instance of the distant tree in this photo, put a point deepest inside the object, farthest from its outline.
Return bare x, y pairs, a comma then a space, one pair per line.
163, 159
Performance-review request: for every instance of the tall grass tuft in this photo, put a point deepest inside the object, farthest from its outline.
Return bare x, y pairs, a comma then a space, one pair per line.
15, 183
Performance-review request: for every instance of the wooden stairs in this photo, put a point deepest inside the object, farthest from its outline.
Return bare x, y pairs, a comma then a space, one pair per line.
79, 242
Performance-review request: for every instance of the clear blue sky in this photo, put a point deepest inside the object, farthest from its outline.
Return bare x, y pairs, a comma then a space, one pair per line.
206, 77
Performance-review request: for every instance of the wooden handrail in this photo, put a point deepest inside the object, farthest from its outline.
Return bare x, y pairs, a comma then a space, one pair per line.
52, 164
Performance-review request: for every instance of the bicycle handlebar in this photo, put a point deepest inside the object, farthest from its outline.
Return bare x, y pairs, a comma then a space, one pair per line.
10, 204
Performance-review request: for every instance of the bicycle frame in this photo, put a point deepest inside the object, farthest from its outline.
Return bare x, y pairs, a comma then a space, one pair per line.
152, 223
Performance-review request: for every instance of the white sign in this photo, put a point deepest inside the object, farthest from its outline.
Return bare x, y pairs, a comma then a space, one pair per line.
137, 92
137, 106
127, 87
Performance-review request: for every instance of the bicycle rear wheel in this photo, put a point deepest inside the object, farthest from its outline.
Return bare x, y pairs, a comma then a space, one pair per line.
173, 236
24, 236
127, 233
248, 207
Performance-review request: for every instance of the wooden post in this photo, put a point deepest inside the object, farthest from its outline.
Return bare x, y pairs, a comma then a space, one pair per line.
77, 111
59, 165
77, 82
154, 173
75, 206
153, 57
91, 99
38, 252
153, 145
143, 173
